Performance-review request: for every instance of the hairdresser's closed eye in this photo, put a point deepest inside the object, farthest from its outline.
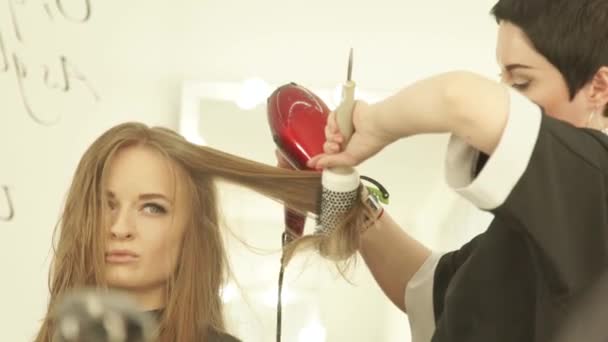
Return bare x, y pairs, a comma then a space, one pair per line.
521, 86
520, 82
516, 81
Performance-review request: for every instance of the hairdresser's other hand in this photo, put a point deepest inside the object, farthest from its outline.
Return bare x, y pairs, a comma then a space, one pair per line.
366, 141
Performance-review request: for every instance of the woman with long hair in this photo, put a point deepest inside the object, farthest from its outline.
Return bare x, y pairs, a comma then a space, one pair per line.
141, 216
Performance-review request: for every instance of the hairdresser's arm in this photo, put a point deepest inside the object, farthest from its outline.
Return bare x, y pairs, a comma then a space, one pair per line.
393, 257
462, 103
468, 105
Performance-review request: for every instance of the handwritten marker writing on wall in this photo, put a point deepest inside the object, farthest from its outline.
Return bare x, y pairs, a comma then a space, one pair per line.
74, 12
59, 76
3, 57
6, 198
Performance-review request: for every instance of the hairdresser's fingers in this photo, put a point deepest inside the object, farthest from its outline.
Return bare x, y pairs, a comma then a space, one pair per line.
332, 133
334, 160
332, 123
332, 129
312, 163
331, 147
333, 137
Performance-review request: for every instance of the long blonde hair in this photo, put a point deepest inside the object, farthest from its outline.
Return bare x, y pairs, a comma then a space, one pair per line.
193, 301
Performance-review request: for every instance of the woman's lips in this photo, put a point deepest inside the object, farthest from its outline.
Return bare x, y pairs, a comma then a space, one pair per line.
121, 257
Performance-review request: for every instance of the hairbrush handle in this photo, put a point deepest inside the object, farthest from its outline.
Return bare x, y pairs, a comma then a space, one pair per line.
343, 178
344, 119
340, 184
344, 112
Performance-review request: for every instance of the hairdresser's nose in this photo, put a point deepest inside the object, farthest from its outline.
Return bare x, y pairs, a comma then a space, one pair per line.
123, 227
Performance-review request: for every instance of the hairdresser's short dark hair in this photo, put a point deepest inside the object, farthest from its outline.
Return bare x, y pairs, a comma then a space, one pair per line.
571, 34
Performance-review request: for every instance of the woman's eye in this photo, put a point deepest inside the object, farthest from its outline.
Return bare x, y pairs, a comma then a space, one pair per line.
153, 208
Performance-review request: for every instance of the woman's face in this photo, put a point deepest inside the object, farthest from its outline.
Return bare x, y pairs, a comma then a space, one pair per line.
148, 213
526, 70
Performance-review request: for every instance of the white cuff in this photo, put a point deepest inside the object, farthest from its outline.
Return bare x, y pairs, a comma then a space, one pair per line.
505, 166
419, 300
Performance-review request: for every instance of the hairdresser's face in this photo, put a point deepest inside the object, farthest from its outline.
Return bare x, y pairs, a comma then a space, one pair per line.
529, 72
147, 205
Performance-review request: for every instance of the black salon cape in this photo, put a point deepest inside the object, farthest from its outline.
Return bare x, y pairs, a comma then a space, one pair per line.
546, 184
213, 336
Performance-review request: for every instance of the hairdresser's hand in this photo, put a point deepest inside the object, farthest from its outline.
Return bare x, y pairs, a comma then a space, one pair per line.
366, 141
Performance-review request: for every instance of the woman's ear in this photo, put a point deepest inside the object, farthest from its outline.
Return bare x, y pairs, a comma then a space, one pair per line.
598, 92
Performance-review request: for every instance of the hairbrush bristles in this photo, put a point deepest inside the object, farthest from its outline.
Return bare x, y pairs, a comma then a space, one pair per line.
337, 198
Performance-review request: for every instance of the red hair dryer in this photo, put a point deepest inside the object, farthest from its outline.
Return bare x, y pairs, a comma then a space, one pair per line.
297, 120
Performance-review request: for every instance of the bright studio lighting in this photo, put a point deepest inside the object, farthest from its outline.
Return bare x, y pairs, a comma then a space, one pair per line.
313, 332
229, 293
247, 95
270, 298
253, 92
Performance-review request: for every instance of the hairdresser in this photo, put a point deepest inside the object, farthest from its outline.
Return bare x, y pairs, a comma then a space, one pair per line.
531, 150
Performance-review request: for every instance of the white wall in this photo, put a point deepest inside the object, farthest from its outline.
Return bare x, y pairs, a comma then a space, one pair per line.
134, 56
